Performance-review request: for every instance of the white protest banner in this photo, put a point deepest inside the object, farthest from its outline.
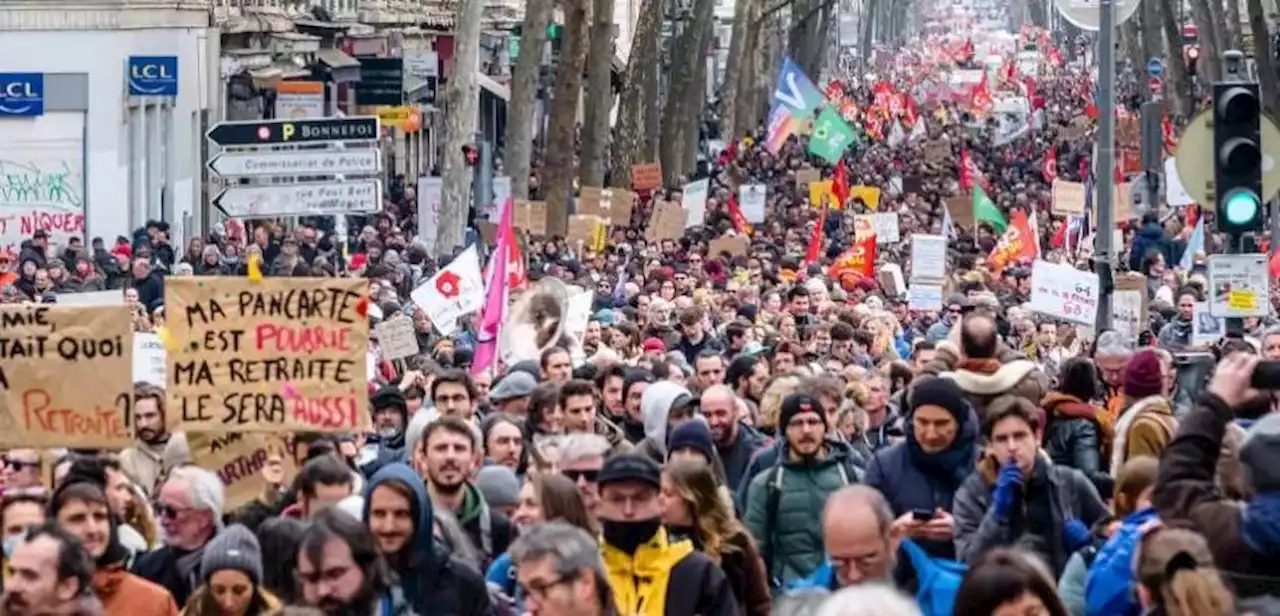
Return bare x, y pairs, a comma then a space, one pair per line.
397, 338
578, 314
928, 257
924, 297
884, 223
1064, 292
149, 357
429, 200
455, 291
501, 192
92, 298
751, 201
694, 200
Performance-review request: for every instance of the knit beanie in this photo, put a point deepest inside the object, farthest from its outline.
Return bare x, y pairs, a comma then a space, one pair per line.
499, 486
693, 434
797, 403
1260, 454
235, 549
940, 392
1142, 375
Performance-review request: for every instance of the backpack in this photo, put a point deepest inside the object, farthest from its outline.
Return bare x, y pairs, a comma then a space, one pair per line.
849, 474
937, 580
1110, 582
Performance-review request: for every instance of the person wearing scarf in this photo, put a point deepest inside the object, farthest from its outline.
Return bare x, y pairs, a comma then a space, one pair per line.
1076, 433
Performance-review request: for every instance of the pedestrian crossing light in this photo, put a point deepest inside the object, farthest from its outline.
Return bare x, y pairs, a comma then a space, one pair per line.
1237, 146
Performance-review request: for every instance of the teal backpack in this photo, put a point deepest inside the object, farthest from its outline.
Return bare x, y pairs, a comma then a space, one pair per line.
938, 580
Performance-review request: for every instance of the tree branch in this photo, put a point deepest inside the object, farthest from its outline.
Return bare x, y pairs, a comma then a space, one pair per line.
826, 4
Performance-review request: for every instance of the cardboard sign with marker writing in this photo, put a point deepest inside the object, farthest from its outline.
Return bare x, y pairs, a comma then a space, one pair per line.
66, 376
238, 458
1068, 198
733, 244
937, 151
1121, 203
1078, 127
646, 176
611, 204
582, 229
666, 223
397, 338
277, 355
805, 177
961, 209
530, 217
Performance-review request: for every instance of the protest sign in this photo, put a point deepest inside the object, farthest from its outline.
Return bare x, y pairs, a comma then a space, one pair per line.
1064, 292
924, 297
928, 258
583, 230
666, 223
694, 200
530, 217
735, 245
149, 358
1205, 328
1068, 198
453, 292
92, 298
937, 151
961, 210
397, 338
807, 176
611, 204
646, 176
276, 355
241, 459
751, 198
884, 224
1239, 285
66, 375
1129, 305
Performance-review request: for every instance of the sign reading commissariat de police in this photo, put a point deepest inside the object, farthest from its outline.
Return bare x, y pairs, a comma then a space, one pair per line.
266, 132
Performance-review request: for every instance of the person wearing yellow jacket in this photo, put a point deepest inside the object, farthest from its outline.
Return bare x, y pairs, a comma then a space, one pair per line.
649, 573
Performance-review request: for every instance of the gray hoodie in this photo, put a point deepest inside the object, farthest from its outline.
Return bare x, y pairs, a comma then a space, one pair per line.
655, 406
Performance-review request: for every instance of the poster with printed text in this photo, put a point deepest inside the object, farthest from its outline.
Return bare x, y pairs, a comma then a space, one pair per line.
277, 355
42, 184
66, 376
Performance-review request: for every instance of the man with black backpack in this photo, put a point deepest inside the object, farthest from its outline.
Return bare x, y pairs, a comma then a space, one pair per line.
784, 502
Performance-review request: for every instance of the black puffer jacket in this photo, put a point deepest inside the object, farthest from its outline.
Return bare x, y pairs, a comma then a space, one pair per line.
1074, 436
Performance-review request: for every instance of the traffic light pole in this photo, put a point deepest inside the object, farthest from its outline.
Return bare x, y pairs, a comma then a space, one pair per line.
1104, 167
1223, 188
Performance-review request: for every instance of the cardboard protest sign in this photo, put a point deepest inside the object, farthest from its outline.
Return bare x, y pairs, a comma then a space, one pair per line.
1068, 198
1121, 203
612, 204
646, 176
735, 245
1129, 305
397, 338
961, 210
807, 176
582, 230
66, 376
238, 458
276, 355
666, 223
937, 151
530, 217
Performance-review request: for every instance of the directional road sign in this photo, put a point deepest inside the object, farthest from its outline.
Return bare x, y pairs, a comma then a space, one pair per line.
277, 132
1155, 68
309, 199
296, 163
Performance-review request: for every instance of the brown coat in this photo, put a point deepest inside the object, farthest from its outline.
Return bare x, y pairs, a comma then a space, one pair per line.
125, 594
1010, 373
747, 575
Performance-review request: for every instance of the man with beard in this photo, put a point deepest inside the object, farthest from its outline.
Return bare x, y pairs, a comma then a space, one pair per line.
390, 416
449, 446
143, 460
649, 572
783, 503
633, 386
80, 505
399, 515
341, 572
50, 573
189, 508
735, 441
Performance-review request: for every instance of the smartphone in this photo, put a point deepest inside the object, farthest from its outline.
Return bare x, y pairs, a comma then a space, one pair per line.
921, 515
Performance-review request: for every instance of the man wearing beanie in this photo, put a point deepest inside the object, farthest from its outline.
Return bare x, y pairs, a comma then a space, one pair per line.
500, 488
79, 504
1245, 541
232, 559
1147, 425
784, 503
390, 416
650, 574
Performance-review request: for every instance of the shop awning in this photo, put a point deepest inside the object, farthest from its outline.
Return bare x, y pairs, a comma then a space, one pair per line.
493, 87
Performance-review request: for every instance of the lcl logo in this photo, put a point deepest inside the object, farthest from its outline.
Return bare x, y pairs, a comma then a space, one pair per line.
21, 94
151, 72
153, 76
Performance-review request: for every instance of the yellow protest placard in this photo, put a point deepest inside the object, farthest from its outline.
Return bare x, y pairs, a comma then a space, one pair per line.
822, 190
66, 375
277, 355
239, 458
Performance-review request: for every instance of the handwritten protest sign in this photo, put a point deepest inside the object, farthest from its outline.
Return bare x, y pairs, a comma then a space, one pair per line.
666, 223
612, 204
280, 354
397, 338
1064, 292
66, 376
148, 359
1068, 198
961, 210
239, 458
584, 230
530, 217
937, 151
646, 176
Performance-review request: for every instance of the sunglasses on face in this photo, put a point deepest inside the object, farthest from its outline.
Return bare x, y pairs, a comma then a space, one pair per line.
590, 476
19, 465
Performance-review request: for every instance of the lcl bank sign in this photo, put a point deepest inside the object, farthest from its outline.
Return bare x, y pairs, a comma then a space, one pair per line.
21, 94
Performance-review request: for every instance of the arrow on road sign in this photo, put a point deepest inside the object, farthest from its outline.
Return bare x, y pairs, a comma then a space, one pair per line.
260, 164
309, 199
1155, 68
275, 132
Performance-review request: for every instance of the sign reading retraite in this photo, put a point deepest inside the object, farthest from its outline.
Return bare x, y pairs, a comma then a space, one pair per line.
281, 354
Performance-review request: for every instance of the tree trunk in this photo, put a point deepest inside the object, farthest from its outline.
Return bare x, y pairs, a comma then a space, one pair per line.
1211, 39
1234, 30
1178, 88
734, 67
746, 103
869, 10
653, 88
599, 101
1266, 64
675, 112
562, 126
696, 105
628, 133
524, 96
462, 111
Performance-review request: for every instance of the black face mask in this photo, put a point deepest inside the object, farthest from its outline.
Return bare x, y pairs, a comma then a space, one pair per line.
630, 535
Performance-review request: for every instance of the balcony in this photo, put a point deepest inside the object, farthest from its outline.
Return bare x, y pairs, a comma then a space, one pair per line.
102, 14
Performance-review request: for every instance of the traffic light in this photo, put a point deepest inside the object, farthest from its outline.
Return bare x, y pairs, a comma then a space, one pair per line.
1237, 148
470, 154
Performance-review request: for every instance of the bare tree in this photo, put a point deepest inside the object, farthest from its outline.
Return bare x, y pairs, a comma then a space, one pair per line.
524, 96
562, 127
1234, 30
599, 100
698, 102
461, 103
1210, 63
736, 65
1266, 64
1179, 87
628, 132
681, 89
1152, 36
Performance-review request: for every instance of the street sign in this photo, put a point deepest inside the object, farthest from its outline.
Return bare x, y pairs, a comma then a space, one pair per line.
1156, 84
296, 163
1194, 158
1155, 68
276, 132
1087, 14
311, 199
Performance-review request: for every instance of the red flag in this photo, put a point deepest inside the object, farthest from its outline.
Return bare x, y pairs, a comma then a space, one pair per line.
1050, 167
739, 221
814, 253
1170, 136
970, 175
840, 183
1060, 237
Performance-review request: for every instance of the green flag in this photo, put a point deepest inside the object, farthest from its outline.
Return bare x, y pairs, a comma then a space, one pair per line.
984, 210
831, 135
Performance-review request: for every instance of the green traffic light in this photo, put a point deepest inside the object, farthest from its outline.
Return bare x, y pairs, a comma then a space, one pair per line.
1241, 207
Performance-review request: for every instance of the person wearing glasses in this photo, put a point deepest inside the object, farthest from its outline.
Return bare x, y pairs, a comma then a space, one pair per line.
189, 506
22, 469
559, 570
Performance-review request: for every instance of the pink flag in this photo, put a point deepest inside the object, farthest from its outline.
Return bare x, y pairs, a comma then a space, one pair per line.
495, 302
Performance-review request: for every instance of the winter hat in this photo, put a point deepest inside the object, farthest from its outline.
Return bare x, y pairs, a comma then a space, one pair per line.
654, 345
514, 385
797, 403
630, 467
693, 434
1142, 375
234, 548
940, 392
499, 486
388, 397
1260, 454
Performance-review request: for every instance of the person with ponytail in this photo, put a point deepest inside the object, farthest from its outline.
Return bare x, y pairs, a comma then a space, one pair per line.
1177, 578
